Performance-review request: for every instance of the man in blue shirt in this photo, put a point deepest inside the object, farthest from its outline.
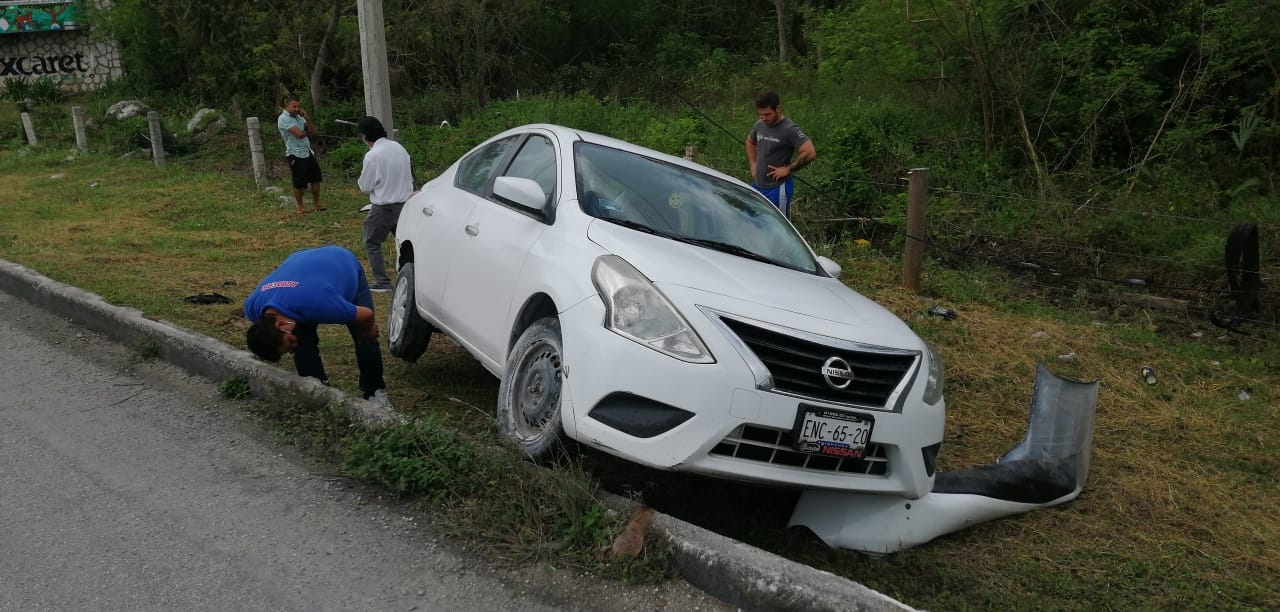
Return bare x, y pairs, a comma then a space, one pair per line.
314, 286
296, 128
772, 142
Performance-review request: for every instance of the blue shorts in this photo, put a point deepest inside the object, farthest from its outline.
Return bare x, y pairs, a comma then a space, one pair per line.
780, 195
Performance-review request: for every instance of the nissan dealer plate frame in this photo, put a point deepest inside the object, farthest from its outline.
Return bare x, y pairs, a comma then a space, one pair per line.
832, 433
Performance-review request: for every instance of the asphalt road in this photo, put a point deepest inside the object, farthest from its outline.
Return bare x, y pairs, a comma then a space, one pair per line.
128, 484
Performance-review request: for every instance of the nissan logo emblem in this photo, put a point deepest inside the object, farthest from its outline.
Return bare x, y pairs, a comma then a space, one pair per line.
837, 373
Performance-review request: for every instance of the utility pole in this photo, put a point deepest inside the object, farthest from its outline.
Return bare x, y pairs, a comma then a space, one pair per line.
373, 59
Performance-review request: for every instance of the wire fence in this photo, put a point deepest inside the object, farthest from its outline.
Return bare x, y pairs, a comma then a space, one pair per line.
1183, 284
1078, 272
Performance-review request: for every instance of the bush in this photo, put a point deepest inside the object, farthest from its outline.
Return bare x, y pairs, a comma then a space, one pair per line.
132, 134
47, 91
236, 388
415, 459
347, 158
29, 93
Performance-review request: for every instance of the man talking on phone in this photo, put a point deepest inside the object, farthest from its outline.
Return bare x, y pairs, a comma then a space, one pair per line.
296, 128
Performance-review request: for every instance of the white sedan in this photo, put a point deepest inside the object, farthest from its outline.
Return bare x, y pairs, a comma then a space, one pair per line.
663, 312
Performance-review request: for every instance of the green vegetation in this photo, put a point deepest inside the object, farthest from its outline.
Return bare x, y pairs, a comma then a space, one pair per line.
236, 388
1086, 160
1177, 511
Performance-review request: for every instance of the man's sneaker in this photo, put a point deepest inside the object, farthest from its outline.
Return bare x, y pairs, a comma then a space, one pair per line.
380, 288
380, 399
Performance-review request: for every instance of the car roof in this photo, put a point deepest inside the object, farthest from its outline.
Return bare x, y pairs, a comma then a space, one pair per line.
569, 135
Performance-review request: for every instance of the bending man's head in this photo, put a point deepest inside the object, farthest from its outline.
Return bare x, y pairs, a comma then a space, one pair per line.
267, 340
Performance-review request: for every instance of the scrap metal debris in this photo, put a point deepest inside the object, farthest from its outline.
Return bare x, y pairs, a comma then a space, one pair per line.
207, 298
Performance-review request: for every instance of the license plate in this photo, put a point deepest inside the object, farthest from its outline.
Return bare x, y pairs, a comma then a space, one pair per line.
833, 433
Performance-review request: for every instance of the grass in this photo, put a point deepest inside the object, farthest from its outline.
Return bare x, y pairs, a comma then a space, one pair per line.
1179, 510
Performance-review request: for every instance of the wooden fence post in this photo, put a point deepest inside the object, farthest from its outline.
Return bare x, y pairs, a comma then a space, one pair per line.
30, 128
917, 202
157, 138
77, 120
255, 151
691, 152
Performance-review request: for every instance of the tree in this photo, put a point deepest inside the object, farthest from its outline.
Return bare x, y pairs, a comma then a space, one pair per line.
218, 50
780, 7
317, 69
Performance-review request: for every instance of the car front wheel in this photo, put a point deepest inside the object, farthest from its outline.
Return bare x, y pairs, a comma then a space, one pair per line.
529, 409
407, 332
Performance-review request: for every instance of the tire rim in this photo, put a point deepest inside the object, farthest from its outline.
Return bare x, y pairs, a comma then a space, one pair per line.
399, 311
537, 393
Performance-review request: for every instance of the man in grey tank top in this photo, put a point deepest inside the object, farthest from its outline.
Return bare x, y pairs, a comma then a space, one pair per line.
772, 143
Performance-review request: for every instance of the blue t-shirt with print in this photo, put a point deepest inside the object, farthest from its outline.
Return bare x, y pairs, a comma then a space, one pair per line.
311, 286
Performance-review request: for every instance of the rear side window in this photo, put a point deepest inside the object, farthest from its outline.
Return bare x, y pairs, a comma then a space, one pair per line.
476, 171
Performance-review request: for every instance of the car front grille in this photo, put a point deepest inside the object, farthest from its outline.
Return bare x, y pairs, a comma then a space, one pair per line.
796, 366
755, 443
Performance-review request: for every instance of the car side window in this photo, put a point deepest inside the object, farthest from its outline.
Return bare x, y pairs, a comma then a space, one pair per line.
536, 160
475, 172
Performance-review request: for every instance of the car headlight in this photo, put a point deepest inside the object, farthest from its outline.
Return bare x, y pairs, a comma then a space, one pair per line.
635, 309
933, 386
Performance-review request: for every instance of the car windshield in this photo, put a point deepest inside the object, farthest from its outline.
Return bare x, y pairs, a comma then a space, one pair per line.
685, 205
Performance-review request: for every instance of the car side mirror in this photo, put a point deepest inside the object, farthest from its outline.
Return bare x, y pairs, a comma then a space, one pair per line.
830, 266
521, 192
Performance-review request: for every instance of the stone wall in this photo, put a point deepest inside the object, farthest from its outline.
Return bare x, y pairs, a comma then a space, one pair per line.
70, 56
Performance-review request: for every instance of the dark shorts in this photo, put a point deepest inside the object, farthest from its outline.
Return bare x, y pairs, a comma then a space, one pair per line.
305, 171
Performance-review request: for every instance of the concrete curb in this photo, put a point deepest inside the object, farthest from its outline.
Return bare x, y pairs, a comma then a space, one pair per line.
195, 353
735, 572
755, 579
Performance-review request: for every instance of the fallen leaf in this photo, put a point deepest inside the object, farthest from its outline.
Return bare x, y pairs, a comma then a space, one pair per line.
631, 541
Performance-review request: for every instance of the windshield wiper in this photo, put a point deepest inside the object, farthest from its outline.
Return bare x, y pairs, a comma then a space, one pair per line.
726, 247
633, 225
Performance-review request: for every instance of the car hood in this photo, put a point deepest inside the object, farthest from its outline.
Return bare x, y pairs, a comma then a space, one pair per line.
669, 262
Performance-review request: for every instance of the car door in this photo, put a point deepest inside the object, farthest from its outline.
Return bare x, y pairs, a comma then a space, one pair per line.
442, 218
489, 260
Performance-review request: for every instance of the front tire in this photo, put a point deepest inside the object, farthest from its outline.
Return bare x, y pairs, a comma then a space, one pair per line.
529, 396
407, 332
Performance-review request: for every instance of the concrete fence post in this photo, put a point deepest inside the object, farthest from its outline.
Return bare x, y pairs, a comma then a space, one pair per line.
917, 200
30, 128
157, 138
77, 120
255, 151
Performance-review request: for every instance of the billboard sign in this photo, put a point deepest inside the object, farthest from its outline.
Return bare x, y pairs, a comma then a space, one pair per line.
38, 16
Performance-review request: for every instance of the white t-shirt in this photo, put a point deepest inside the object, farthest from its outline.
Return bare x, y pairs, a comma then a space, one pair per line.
387, 175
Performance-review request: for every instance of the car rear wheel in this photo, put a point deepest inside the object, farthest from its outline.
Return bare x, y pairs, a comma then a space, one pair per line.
529, 407
407, 332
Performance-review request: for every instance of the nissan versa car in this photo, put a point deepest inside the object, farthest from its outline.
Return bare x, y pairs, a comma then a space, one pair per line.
666, 313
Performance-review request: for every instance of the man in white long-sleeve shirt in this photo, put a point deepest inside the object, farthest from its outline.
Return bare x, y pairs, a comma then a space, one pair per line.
387, 176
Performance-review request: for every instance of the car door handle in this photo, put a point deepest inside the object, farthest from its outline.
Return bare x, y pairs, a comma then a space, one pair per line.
428, 211
473, 229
